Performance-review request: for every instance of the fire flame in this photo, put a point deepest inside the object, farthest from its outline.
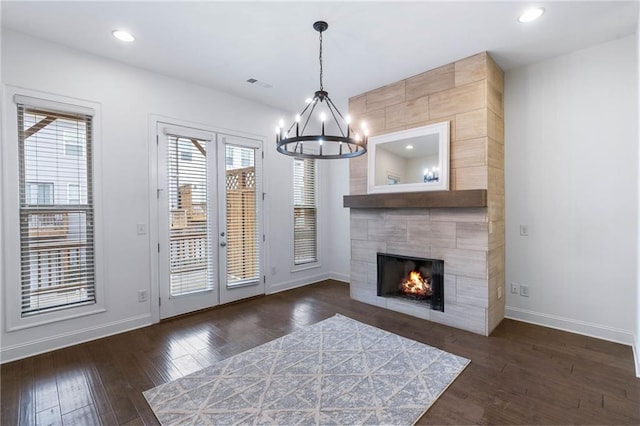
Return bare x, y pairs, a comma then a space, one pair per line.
416, 284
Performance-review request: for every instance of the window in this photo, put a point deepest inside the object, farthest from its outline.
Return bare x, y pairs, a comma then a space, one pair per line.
39, 194
57, 265
238, 157
73, 146
305, 235
73, 193
243, 232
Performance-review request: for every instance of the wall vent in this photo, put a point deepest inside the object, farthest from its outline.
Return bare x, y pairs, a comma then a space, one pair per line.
259, 83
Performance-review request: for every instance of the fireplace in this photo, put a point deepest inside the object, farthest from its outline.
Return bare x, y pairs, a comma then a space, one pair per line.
413, 278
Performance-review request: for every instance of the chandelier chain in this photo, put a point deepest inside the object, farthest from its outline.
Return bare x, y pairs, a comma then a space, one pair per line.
321, 86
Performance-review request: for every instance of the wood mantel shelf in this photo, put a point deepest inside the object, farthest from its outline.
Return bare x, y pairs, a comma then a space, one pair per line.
426, 199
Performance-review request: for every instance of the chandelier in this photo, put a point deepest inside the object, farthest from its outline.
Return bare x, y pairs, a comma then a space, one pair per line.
334, 138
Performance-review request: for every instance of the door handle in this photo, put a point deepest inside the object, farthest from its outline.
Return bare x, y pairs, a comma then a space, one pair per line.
223, 244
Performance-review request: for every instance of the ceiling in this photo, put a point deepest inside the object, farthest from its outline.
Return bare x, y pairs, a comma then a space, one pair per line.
423, 146
367, 45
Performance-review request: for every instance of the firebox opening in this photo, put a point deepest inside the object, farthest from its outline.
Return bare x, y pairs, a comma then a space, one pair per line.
413, 278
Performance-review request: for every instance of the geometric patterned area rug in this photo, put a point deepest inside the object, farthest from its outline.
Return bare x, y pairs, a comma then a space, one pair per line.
337, 371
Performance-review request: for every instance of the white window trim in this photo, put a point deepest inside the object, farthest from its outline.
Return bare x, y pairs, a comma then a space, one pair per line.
317, 263
11, 202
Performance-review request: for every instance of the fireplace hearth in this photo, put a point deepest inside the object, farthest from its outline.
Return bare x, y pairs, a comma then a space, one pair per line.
412, 278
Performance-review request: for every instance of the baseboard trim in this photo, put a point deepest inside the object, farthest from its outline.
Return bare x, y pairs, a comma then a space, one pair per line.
598, 331
636, 355
339, 277
290, 285
59, 341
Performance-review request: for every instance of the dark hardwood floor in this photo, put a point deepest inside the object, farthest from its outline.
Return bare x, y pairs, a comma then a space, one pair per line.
521, 374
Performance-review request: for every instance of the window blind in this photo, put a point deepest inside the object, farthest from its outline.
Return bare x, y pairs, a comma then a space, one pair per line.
305, 244
56, 231
190, 266
243, 245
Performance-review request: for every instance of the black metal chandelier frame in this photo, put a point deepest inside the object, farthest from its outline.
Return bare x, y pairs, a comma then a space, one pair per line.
350, 144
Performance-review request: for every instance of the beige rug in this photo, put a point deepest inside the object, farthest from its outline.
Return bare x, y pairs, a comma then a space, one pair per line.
338, 371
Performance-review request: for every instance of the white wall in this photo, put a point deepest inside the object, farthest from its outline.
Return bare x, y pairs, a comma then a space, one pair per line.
637, 329
339, 229
417, 166
571, 175
388, 163
128, 97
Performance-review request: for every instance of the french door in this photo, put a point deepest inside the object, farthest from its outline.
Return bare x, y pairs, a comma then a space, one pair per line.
209, 219
241, 234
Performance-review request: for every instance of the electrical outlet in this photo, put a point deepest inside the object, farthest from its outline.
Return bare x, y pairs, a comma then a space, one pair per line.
143, 295
515, 288
141, 228
524, 290
273, 270
524, 230
499, 292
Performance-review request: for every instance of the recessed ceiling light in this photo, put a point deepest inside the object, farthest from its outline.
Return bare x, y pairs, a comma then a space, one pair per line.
409, 146
123, 35
531, 14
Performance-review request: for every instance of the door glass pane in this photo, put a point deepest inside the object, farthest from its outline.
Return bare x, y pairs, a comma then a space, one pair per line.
243, 265
191, 269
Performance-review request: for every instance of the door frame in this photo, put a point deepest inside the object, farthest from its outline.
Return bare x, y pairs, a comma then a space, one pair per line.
153, 222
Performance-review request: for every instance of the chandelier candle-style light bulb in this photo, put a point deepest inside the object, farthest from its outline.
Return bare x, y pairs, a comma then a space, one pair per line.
338, 143
281, 128
323, 118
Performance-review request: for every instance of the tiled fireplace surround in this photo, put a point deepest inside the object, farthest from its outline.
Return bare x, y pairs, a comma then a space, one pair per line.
470, 240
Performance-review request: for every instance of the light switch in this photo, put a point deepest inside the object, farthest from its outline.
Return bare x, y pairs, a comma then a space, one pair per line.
142, 228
